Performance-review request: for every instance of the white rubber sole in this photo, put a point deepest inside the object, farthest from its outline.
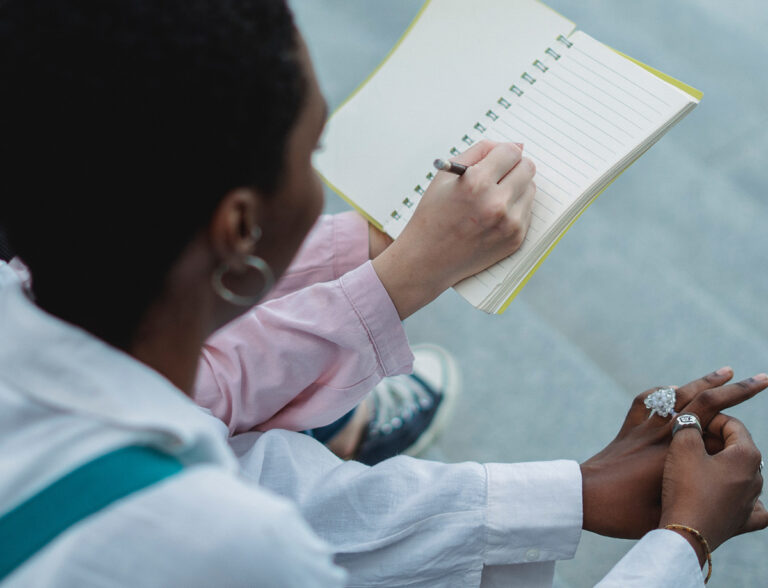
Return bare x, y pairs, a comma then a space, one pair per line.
451, 375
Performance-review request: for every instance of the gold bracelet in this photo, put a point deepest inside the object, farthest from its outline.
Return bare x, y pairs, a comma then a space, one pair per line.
701, 540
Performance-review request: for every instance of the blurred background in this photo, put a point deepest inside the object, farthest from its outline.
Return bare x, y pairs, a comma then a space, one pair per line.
665, 277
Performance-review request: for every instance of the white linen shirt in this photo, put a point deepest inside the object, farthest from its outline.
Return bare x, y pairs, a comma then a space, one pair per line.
268, 509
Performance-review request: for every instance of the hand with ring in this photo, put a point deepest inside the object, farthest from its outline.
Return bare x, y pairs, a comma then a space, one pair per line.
716, 494
622, 484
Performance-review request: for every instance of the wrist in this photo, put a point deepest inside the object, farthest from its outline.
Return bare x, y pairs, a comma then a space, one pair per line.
692, 540
587, 498
406, 282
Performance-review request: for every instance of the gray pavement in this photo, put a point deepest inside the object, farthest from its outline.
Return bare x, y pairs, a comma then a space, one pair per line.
663, 279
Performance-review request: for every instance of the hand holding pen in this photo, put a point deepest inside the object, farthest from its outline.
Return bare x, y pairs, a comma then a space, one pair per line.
460, 228
456, 168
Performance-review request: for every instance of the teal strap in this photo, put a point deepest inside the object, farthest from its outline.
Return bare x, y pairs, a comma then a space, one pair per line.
82, 492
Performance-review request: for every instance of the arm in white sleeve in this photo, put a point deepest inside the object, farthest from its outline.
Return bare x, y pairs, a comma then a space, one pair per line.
418, 523
661, 559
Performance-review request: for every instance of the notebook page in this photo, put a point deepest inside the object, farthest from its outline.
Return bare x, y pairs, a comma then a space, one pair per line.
427, 94
583, 109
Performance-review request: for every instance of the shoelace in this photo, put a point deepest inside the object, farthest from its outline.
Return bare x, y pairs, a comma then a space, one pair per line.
395, 401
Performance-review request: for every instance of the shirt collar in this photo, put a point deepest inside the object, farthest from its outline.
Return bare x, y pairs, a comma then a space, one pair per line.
64, 367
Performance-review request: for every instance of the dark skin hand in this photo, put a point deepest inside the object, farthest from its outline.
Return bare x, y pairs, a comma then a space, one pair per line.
622, 484
715, 494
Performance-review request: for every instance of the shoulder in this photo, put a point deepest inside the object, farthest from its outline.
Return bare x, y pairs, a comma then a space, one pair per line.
203, 527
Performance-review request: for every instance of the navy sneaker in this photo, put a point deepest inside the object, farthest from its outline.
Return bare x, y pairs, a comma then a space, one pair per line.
410, 411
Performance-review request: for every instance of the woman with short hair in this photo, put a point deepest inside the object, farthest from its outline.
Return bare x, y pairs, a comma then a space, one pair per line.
156, 179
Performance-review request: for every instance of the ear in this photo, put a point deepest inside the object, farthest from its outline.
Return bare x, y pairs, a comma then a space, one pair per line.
233, 224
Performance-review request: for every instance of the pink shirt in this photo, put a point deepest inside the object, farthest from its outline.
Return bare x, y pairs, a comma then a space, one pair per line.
325, 337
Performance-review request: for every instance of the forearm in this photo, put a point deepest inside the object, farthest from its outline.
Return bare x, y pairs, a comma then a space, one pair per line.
303, 360
407, 281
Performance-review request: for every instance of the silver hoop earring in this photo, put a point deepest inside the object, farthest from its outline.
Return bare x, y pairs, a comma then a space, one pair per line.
254, 262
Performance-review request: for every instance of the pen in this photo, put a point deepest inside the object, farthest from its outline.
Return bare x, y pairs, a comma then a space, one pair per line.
456, 168
449, 166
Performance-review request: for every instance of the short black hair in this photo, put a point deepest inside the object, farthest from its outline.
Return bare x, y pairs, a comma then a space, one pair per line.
123, 123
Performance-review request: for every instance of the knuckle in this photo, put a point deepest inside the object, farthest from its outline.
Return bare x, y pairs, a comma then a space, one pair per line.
494, 214
706, 399
477, 184
515, 232
639, 400
517, 239
753, 454
744, 455
527, 166
512, 149
515, 223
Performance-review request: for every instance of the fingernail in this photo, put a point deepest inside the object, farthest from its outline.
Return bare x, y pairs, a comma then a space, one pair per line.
760, 378
521, 145
724, 371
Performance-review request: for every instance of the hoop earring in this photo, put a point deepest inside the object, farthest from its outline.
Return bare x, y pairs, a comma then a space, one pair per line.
254, 262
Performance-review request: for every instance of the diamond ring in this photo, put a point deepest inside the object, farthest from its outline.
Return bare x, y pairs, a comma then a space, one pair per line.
661, 402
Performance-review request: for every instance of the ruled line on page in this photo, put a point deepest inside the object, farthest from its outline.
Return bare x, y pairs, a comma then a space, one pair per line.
576, 119
608, 94
659, 98
574, 87
543, 191
615, 85
545, 207
557, 142
533, 141
565, 95
539, 161
540, 94
570, 137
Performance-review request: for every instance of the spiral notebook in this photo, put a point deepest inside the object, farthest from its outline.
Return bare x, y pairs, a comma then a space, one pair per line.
508, 70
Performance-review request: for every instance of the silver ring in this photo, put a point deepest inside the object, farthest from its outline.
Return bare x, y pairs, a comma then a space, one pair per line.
661, 402
687, 420
760, 467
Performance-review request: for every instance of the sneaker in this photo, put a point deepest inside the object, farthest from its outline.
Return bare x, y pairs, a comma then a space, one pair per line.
410, 411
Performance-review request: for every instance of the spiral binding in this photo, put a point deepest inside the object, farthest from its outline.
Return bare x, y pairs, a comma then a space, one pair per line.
516, 90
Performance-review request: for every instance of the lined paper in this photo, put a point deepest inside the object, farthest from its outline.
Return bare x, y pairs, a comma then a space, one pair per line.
413, 109
579, 118
583, 111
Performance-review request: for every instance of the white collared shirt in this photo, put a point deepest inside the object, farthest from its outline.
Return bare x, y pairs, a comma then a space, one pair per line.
66, 397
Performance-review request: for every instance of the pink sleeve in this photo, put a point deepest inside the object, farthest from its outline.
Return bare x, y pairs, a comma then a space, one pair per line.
304, 360
336, 244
